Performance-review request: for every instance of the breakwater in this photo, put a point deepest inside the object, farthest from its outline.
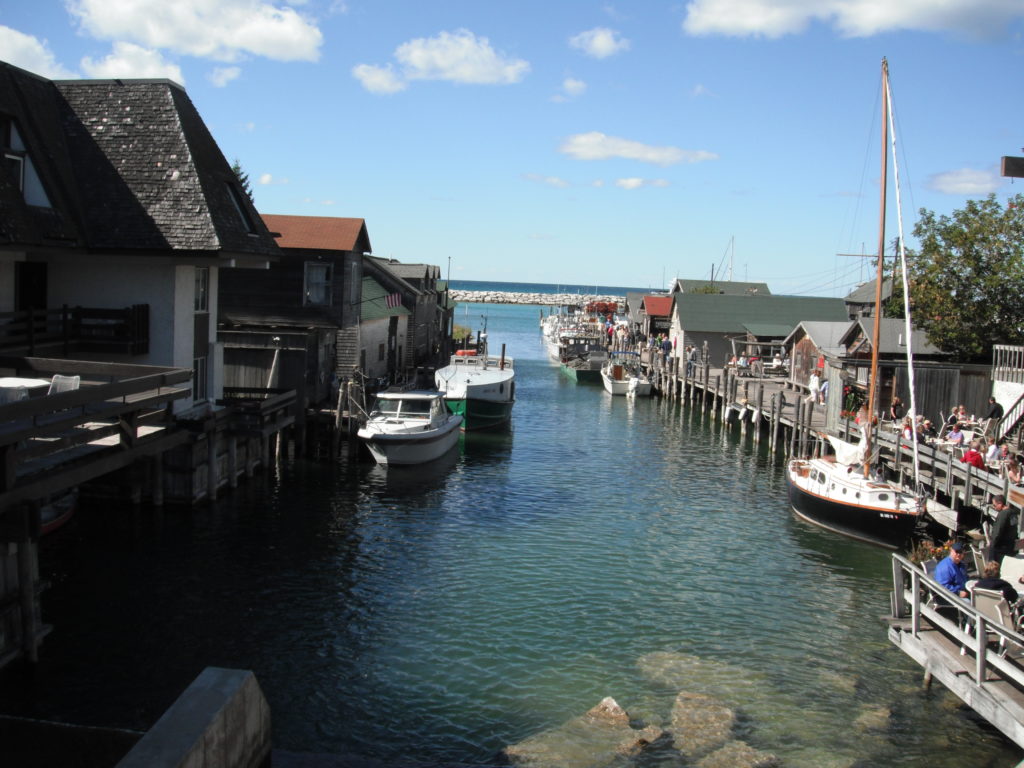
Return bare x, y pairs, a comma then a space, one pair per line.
543, 299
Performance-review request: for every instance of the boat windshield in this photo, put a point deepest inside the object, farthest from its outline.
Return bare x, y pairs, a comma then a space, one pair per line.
416, 409
388, 407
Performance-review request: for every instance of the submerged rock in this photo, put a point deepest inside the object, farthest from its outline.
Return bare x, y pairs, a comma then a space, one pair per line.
601, 738
684, 671
738, 754
700, 724
876, 719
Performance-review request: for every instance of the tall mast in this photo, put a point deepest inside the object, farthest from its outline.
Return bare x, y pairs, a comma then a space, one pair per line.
876, 332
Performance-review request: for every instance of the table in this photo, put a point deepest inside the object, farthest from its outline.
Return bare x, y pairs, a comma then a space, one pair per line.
14, 388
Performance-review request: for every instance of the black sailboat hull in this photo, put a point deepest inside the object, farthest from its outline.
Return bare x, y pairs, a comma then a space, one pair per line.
882, 527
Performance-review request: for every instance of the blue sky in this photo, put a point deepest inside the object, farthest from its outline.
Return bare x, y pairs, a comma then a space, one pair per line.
579, 142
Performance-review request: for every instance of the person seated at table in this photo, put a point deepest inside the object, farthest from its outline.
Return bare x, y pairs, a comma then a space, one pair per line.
990, 580
907, 429
952, 418
1013, 471
928, 429
955, 436
961, 414
973, 456
951, 572
991, 452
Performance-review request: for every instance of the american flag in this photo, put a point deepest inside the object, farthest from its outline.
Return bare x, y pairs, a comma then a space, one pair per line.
394, 300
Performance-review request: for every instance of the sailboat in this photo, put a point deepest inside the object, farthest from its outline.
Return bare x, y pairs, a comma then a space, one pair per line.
838, 491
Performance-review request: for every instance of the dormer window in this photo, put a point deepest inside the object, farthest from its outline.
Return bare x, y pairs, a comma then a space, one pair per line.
243, 211
18, 165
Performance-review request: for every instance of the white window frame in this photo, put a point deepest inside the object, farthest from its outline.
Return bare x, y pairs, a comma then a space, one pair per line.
202, 296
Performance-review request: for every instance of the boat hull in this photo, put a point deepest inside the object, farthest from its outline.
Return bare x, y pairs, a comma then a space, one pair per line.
876, 525
408, 449
582, 375
481, 414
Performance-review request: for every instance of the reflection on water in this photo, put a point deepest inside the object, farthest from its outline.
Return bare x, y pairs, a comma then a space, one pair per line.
601, 546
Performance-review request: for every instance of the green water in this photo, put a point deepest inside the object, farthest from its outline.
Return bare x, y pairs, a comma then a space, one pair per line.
599, 547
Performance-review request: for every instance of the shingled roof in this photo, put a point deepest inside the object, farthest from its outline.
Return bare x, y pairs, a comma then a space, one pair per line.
710, 313
319, 233
128, 165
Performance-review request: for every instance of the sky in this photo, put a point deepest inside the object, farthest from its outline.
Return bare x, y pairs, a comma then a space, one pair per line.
580, 142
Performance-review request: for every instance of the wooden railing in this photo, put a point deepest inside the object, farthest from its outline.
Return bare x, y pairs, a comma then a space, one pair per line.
1008, 363
77, 329
918, 597
50, 442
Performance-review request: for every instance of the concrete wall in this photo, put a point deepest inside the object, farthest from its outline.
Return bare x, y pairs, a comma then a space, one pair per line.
220, 721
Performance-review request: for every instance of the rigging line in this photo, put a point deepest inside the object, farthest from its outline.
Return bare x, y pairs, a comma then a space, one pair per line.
906, 291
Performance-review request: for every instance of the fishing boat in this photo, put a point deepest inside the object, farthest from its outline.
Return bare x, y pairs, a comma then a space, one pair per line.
622, 374
479, 387
839, 491
582, 355
410, 427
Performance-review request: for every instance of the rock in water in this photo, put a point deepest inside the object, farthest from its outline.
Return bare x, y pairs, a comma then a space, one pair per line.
598, 739
700, 724
737, 754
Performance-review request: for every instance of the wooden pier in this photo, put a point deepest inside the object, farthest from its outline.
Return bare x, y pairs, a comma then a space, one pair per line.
776, 410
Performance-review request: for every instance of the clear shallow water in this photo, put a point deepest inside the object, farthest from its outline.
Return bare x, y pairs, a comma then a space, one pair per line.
599, 547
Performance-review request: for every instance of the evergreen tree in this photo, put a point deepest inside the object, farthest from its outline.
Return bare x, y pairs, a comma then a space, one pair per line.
243, 179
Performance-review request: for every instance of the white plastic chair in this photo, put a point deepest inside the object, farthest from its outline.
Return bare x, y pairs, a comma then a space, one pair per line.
61, 383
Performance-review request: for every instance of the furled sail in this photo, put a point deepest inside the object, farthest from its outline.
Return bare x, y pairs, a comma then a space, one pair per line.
849, 454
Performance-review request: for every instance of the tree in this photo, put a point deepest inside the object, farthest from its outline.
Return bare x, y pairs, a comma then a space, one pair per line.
967, 279
243, 179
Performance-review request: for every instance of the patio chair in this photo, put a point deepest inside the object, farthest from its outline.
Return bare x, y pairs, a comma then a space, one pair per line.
977, 560
61, 383
991, 604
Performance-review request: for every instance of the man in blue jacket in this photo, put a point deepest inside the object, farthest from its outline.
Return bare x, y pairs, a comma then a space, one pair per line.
951, 572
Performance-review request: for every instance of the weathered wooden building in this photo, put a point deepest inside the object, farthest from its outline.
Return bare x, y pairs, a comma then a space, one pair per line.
118, 213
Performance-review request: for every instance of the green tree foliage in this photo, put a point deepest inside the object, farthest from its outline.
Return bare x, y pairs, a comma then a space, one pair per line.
243, 179
967, 280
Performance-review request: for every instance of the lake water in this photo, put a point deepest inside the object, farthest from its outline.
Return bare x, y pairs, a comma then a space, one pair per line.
600, 547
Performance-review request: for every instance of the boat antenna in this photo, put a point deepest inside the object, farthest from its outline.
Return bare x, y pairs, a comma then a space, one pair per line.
876, 331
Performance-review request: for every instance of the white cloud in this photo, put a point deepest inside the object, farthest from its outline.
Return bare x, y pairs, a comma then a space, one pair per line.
221, 76
599, 42
636, 183
30, 53
965, 181
224, 30
551, 181
130, 60
458, 57
851, 18
378, 79
573, 87
266, 178
598, 146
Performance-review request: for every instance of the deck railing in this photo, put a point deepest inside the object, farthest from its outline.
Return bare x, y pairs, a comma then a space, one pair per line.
77, 329
49, 442
926, 603
1008, 363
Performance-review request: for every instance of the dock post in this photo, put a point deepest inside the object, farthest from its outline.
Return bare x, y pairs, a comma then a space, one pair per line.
158, 480
757, 414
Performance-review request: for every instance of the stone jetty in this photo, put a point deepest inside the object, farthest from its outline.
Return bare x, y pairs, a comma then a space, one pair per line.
543, 299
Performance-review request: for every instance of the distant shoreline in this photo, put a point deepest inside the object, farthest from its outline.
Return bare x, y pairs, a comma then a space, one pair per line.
542, 299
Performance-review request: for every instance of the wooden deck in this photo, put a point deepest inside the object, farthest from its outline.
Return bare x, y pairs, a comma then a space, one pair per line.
959, 647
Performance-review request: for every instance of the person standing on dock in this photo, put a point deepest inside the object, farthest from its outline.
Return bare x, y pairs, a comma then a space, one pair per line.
951, 572
814, 384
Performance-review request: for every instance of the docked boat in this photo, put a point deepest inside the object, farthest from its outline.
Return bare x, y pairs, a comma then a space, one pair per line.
832, 492
622, 374
479, 387
582, 355
839, 491
411, 427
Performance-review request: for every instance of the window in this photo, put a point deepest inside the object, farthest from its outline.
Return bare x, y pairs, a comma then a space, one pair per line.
380, 352
17, 164
199, 390
241, 208
317, 284
202, 296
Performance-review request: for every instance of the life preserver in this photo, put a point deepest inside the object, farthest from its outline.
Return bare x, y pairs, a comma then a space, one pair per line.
465, 352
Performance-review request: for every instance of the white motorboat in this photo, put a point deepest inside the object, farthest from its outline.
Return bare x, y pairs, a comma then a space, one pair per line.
479, 387
411, 427
623, 375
